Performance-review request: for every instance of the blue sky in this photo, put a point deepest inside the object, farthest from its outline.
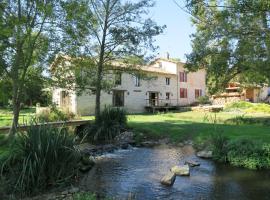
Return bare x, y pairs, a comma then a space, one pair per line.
176, 38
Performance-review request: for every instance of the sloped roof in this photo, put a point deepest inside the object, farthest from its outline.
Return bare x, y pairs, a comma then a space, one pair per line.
117, 64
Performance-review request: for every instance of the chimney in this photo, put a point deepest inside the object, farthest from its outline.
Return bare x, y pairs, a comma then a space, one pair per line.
168, 56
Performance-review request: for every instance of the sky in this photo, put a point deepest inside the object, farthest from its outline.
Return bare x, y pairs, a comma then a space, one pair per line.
176, 38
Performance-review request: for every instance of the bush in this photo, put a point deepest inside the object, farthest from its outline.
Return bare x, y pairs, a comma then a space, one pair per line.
259, 108
55, 115
41, 158
109, 124
248, 107
249, 154
220, 147
242, 152
203, 100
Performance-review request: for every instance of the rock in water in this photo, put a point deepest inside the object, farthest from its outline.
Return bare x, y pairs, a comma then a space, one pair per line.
205, 154
168, 179
182, 170
192, 163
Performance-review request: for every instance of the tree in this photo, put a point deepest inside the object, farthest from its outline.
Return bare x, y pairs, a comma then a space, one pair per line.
117, 30
31, 33
232, 41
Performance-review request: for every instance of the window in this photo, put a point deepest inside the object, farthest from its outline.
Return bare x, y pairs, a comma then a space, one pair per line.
118, 98
118, 78
183, 76
137, 81
183, 93
198, 93
168, 81
167, 95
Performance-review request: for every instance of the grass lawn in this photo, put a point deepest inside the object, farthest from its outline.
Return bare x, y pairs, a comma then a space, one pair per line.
6, 116
179, 126
199, 125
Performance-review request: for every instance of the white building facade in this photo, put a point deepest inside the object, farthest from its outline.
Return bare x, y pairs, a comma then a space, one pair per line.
170, 86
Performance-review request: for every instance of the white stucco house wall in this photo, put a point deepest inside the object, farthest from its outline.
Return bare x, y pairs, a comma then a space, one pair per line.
170, 86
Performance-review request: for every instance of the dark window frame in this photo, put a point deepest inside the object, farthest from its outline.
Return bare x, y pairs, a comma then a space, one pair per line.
168, 80
198, 93
168, 94
183, 93
118, 98
137, 81
183, 77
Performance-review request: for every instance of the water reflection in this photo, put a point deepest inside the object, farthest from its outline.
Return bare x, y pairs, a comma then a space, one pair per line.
139, 172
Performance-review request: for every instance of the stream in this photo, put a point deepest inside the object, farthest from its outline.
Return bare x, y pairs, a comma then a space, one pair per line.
137, 172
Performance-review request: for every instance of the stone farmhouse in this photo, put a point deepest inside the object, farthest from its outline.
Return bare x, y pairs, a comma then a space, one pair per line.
171, 87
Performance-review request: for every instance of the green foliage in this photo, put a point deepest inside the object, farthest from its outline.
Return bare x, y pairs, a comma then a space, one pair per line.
84, 196
239, 105
41, 158
248, 107
249, 154
6, 92
259, 108
109, 124
219, 144
241, 152
203, 100
224, 44
242, 120
55, 115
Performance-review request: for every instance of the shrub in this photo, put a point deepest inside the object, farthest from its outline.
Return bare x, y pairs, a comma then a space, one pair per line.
203, 100
41, 158
248, 107
239, 105
55, 115
259, 108
242, 152
220, 147
247, 153
109, 124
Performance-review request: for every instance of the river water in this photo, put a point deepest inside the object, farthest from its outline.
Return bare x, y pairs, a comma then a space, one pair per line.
137, 172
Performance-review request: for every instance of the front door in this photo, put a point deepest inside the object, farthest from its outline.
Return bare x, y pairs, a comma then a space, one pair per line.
153, 98
250, 94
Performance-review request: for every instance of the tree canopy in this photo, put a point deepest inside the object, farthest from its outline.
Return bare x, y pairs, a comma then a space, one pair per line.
232, 41
31, 33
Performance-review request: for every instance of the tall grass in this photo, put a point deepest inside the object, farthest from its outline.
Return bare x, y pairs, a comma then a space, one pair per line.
109, 124
41, 158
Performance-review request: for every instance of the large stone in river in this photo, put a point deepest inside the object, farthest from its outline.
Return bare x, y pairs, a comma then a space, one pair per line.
168, 179
205, 154
182, 170
192, 163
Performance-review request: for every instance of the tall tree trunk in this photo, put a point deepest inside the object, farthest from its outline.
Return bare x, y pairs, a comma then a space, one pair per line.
98, 90
101, 62
16, 109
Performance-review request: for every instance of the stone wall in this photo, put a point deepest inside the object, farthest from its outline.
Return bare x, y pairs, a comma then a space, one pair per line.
225, 100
